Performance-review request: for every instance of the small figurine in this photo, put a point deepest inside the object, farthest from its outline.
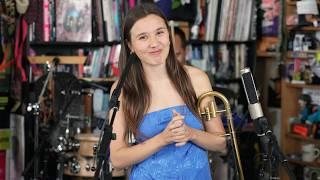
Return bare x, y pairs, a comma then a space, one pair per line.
307, 74
309, 113
315, 116
305, 104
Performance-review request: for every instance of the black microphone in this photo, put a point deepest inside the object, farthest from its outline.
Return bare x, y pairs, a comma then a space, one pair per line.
268, 142
254, 106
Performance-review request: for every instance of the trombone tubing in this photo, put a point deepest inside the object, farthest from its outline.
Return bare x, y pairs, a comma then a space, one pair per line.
229, 119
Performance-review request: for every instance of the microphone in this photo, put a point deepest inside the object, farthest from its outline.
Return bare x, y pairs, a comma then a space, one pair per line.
268, 142
254, 106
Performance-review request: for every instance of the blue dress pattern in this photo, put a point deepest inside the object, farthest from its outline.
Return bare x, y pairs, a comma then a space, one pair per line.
187, 162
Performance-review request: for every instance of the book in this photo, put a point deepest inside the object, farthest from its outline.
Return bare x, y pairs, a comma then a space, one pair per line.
73, 21
270, 22
2, 164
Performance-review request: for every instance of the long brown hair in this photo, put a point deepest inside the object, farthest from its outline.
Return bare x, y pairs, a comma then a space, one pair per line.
136, 93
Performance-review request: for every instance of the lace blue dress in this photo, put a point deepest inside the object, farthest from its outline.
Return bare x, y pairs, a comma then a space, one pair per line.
187, 162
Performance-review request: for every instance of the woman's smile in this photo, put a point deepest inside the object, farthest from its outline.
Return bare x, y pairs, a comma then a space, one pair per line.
155, 52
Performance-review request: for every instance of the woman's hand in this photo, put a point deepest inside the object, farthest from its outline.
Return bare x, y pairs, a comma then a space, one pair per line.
182, 133
177, 131
167, 135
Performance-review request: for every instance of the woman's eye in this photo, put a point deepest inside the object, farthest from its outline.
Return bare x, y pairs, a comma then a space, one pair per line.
160, 32
142, 37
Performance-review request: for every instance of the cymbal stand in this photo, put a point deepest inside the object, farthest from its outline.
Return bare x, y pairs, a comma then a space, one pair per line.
35, 109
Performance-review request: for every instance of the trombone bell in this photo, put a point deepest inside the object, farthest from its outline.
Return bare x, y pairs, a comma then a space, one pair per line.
211, 111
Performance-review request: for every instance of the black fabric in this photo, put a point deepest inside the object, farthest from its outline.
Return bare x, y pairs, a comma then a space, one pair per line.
187, 12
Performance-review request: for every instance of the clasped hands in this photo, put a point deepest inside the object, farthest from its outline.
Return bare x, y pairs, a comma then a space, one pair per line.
177, 131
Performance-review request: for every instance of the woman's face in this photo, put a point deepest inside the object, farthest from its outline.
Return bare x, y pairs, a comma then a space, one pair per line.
150, 40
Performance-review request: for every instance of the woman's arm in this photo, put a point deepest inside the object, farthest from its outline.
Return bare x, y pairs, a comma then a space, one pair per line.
210, 138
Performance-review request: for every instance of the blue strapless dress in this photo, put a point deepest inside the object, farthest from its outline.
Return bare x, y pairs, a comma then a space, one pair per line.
187, 162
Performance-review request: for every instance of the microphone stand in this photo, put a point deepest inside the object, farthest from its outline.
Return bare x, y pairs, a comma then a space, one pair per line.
272, 154
106, 133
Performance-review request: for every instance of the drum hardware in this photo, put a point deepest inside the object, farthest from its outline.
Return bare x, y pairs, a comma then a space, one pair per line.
34, 107
72, 92
95, 150
75, 166
81, 163
79, 166
65, 143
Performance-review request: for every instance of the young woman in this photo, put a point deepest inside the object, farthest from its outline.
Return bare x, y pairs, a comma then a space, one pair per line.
158, 106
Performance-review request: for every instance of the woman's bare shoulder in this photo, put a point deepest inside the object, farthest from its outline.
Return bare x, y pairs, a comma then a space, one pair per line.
199, 80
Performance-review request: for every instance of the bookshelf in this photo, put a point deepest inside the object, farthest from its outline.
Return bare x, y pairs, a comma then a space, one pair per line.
290, 92
221, 45
86, 70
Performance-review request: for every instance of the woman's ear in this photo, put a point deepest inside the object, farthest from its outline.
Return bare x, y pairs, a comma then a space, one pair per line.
130, 46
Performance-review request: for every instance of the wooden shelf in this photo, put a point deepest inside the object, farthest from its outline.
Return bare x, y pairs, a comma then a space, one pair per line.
62, 59
72, 44
290, 85
293, 3
303, 28
290, 92
200, 42
302, 54
263, 54
302, 138
304, 163
109, 79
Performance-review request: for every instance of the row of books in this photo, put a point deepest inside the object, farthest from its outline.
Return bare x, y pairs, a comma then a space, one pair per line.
103, 62
230, 20
77, 21
100, 20
224, 61
221, 60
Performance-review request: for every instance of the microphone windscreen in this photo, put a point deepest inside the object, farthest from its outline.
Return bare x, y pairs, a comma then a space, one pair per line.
249, 86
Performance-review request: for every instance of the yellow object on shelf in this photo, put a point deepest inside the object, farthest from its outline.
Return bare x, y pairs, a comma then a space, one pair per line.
5, 139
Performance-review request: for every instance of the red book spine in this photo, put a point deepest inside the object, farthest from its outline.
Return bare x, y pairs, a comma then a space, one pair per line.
46, 21
2, 164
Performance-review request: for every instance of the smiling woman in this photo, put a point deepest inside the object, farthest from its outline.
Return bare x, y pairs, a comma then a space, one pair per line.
158, 106
150, 40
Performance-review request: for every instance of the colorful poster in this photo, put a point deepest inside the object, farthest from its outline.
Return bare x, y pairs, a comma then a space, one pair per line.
74, 21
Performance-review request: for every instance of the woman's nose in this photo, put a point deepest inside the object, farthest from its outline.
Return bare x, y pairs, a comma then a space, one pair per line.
153, 41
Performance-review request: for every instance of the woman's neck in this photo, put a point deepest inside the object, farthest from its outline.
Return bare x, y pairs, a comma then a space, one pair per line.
156, 73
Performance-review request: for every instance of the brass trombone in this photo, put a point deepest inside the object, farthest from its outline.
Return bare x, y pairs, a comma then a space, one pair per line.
211, 111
